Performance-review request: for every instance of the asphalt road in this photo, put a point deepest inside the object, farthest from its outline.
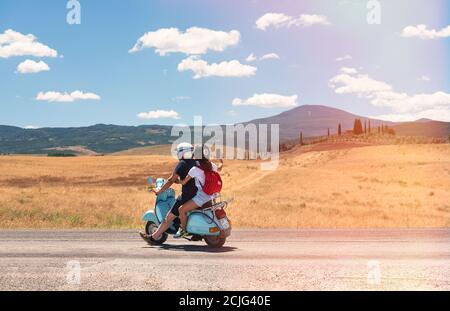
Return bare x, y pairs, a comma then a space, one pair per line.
250, 260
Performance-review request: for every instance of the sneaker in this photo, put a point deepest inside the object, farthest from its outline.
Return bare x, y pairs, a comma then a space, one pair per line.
180, 234
147, 238
143, 236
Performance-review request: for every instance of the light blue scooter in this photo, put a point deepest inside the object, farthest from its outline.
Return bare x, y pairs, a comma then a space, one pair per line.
210, 223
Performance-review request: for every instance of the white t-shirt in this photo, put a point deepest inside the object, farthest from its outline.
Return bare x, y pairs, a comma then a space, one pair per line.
199, 176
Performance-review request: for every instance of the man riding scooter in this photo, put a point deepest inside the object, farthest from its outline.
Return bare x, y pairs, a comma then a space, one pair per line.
185, 154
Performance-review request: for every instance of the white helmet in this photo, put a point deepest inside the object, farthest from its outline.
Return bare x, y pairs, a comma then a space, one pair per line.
185, 151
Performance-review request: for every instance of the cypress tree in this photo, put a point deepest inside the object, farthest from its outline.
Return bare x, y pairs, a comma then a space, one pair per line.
357, 127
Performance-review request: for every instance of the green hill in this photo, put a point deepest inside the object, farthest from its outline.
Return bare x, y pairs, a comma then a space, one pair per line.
99, 138
311, 120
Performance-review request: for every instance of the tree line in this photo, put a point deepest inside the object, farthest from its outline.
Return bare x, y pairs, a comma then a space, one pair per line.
358, 129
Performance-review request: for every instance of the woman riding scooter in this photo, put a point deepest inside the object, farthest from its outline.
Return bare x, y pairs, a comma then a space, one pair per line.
198, 173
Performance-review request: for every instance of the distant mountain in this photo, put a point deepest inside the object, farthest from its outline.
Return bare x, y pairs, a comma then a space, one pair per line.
314, 120
423, 127
423, 120
311, 120
99, 138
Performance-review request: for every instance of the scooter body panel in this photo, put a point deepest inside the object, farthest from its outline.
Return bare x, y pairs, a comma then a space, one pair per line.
164, 203
150, 216
202, 223
162, 208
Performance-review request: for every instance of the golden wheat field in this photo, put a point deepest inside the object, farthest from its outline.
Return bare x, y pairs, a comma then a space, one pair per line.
323, 187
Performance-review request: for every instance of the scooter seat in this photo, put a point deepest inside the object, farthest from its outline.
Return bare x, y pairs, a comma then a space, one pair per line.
207, 205
211, 205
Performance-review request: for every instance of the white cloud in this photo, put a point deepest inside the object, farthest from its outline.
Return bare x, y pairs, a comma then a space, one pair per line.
350, 81
193, 41
349, 70
438, 114
159, 114
202, 69
278, 20
180, 98
270, 56
435, 105
66, 97
342, 58
13, 43
273, 19
425, 78
251, 58
309, 20
404, 103
422, 32
30, 66
31, 127
267, 101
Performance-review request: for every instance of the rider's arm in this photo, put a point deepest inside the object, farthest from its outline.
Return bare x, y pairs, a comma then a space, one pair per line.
172, 179
185, 181
220, 166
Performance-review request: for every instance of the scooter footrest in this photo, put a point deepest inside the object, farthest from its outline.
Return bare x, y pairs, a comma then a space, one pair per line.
193, 238
196, 238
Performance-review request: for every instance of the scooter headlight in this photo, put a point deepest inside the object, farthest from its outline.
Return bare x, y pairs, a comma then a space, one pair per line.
160, 182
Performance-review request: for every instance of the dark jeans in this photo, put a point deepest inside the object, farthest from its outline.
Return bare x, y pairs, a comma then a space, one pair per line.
182, 199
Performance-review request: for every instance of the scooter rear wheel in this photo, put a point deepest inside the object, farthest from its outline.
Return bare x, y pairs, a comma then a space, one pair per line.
151, 227
214, 241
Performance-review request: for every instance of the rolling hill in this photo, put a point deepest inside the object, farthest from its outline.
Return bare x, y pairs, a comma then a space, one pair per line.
423, 127
311, 120
99, 138
314, 120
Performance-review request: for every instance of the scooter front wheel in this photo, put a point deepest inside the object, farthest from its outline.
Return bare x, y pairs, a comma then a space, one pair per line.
151, 227
214, 241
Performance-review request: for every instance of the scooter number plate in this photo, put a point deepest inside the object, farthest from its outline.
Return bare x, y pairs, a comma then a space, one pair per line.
224, 223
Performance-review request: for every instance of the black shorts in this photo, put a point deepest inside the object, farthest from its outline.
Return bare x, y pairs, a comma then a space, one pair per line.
178, 203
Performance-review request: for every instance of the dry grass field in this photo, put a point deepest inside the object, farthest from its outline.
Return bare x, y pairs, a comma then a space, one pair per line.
327, 186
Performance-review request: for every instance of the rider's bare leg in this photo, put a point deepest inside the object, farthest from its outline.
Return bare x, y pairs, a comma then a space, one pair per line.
186, 208
164, 226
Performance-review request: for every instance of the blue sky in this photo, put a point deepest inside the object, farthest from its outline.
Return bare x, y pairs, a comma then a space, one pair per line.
327, 54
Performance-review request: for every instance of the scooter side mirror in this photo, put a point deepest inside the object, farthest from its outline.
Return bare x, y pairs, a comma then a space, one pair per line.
151, 184
160, 183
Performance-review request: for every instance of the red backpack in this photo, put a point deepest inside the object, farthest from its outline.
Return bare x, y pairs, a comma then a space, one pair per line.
213, 182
